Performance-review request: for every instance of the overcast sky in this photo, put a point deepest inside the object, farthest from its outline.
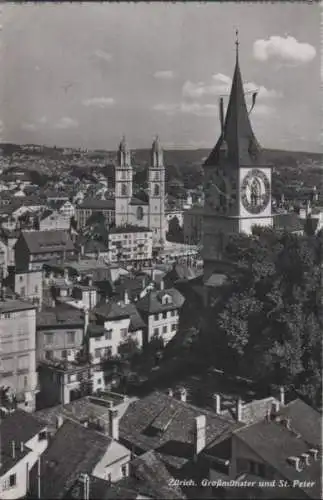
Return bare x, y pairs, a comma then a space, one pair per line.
82, 75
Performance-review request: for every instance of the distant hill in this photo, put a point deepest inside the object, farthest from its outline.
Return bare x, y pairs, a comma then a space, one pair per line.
175, 157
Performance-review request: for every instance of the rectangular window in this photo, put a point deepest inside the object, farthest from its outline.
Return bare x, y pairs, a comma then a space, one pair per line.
23, 362
97, 353
124, 332
173, 313
70, 337
49, 355
174, 327
165, 329
22, 291
36, 289
156, 317
156, 331
64, 354
124, 470
12, 480
42, 436
48, 338
164, 314
108, 334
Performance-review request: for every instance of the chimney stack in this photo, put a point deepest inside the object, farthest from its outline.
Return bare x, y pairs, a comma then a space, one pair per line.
282, 395
162, 285
275, 407
114, 424
239, 409
183, 394
217, 403
59, 421
200, 433
126, 298
314, 453
13, 445
306, 458
170, 393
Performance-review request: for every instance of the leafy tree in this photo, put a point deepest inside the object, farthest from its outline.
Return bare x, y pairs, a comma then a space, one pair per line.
269, 316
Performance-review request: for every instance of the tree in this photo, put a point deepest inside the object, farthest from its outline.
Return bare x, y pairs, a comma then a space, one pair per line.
269, 318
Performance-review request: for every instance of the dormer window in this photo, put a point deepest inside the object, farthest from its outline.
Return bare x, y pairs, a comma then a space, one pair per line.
166, 299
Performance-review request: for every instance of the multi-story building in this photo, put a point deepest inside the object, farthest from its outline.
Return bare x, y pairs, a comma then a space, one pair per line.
130, 244
54, 220
193, 225
28, 285
18, 349
160, 310
34, 248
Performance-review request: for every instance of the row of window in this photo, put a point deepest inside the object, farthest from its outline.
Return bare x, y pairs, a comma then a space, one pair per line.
164, 315
164, 329
49, 355
49, 338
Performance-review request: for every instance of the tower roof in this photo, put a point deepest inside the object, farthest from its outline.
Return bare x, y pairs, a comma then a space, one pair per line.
242, 148
156, 147
123, 146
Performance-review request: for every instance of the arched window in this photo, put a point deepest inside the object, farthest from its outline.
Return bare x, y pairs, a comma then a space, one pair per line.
255, 192
156, 190
123, 190
140, 213
157, 176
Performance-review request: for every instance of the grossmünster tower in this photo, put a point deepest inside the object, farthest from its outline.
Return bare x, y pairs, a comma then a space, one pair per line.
237, 180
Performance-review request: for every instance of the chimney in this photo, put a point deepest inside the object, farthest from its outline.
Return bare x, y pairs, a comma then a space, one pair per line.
126, 298
183, 394
90, 281
66, 274
170, 393
22, 447
153, 274
59, 421
282, 395
217, 403
239, 410
13, 445
200, 433
114, 424
162, 285
275, 407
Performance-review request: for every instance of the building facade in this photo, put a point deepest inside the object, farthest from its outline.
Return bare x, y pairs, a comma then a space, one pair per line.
18, 350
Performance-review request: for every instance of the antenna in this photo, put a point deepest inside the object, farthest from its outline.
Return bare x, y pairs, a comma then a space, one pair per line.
237, 43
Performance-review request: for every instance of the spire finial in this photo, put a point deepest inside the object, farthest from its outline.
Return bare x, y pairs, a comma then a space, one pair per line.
237, 43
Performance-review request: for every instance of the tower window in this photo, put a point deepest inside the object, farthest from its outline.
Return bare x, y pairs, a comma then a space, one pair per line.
156, 190
157, 176
123, 190
140, 213
123, 175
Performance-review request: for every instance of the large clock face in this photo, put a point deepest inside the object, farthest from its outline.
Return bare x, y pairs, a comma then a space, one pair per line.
255, 191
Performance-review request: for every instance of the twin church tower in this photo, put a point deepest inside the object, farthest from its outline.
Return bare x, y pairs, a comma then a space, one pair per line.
130, 210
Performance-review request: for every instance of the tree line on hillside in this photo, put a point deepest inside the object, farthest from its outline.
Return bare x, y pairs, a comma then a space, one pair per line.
267, 322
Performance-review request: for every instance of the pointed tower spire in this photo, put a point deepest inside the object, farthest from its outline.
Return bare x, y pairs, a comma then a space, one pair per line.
242, 148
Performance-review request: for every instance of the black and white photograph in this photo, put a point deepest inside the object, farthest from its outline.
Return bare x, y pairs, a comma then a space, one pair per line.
161, 250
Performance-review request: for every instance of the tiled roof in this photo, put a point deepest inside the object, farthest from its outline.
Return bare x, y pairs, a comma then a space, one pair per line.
274, 444
94, 204
305, 420
19, 427
152, 302
73, 450
46, 214
143, 423
47, 241
117, 310
11, 305
59, 316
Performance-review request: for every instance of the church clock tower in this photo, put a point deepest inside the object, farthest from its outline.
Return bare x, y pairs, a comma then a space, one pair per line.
123, 188
156, 183
237, 181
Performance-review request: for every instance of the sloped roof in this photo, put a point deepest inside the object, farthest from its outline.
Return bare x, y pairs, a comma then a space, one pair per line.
288, 222
59, 316
242, 146
73, 450
274, 444
151, 303
96, 204
18, 427
47, 241
143, 423
115, 310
